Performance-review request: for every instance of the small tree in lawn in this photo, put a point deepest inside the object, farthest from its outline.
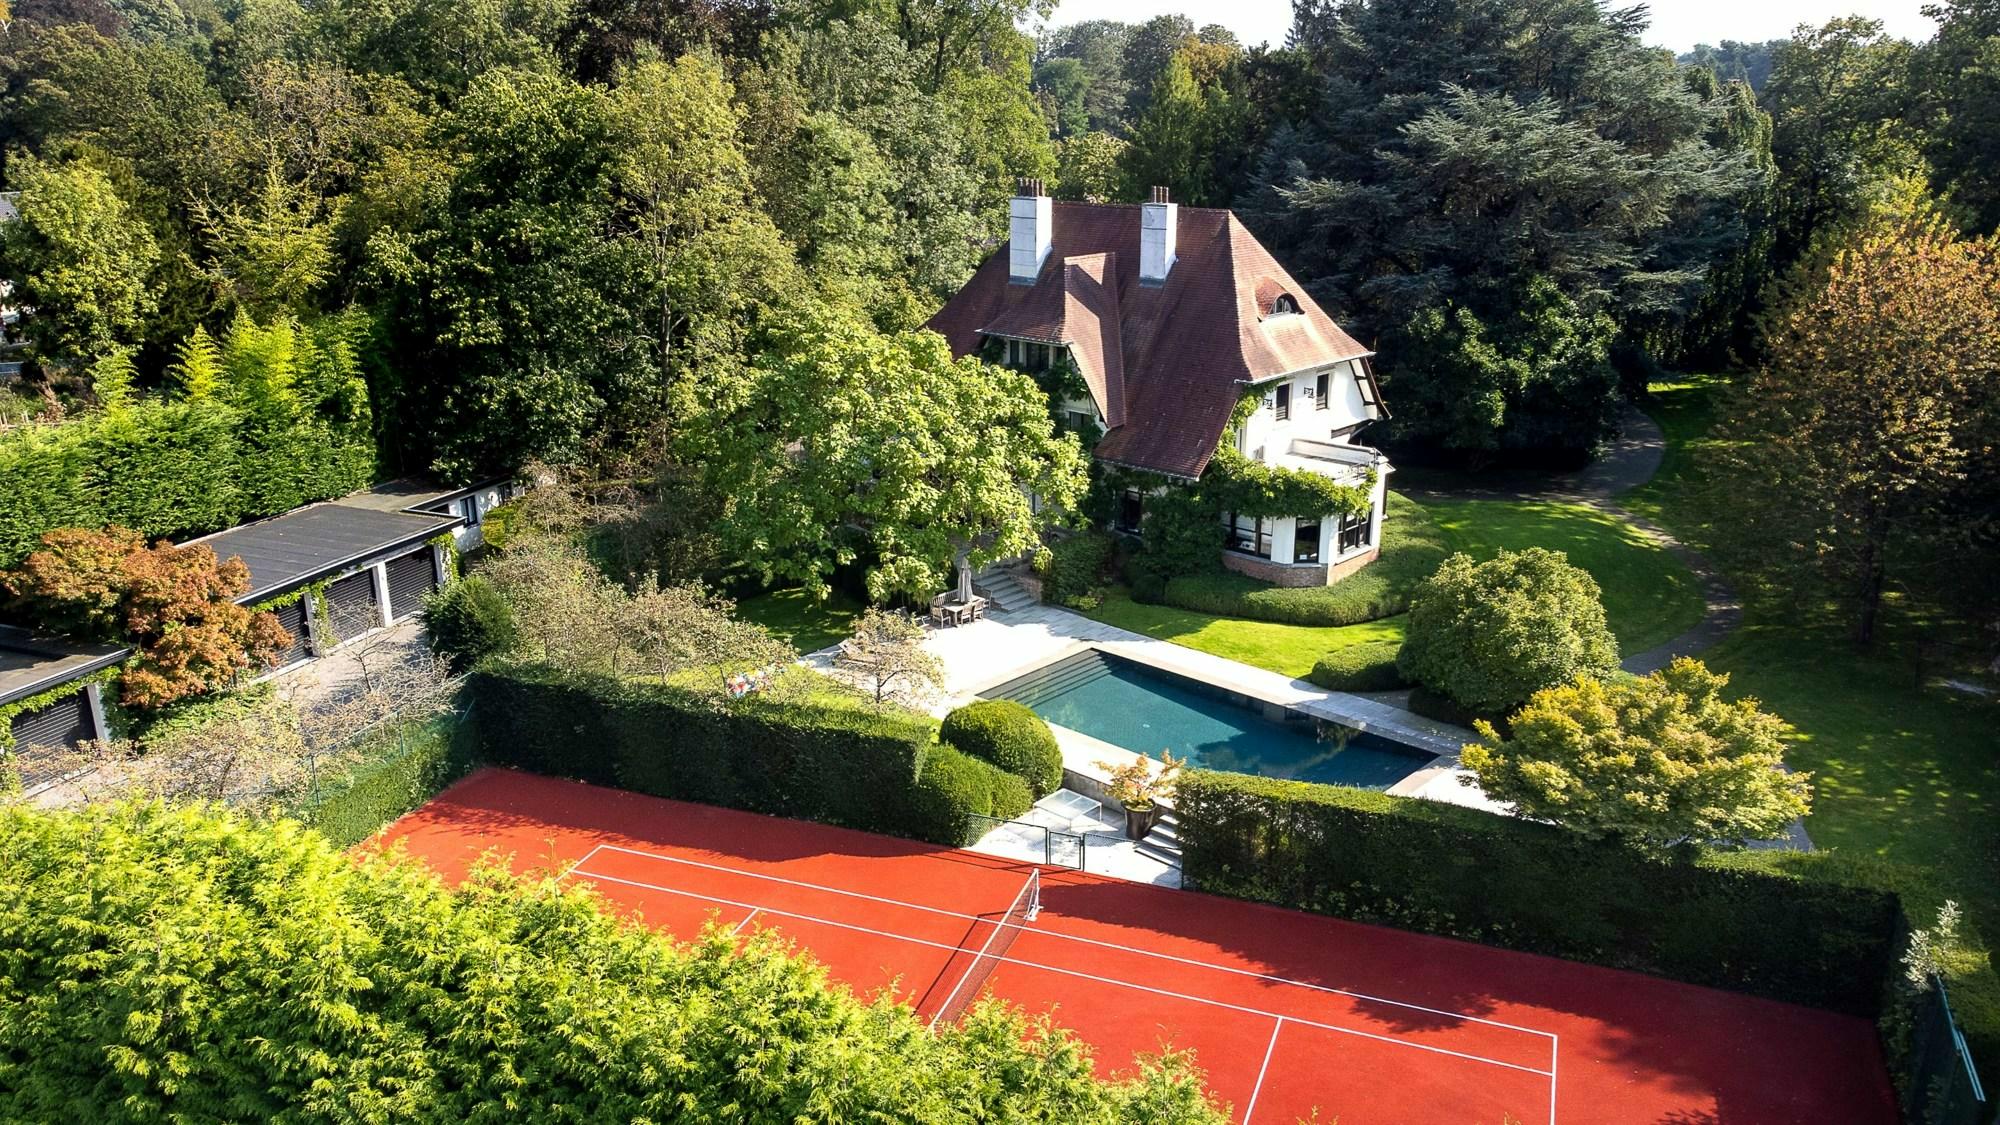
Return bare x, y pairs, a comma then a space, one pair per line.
176, 605
887, 653
1653, 762
1491, 634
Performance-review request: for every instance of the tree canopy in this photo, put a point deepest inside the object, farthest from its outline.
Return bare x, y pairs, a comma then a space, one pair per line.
1654, 762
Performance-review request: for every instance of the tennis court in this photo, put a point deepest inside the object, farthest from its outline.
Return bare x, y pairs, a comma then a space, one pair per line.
1289, 1014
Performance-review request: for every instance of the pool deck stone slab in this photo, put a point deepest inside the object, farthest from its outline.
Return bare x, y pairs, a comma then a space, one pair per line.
986, 654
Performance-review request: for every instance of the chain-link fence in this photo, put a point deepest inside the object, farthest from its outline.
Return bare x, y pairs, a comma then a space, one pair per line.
1943, 1087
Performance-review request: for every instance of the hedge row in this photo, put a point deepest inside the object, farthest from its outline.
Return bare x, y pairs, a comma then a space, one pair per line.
168, 468
405, 767
879, 771
1368, 666
1747, 923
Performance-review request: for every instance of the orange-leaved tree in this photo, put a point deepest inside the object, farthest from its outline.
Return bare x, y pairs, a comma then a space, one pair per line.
1862, 448
175, 605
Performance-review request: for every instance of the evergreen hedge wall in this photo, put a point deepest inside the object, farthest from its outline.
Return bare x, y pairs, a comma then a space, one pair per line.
853, 767
406, 767
168, 468
1742, 922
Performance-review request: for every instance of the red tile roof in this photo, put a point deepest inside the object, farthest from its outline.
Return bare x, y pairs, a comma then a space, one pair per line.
1166, 363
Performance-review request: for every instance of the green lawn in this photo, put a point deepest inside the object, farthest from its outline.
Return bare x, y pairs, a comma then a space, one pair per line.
793, 616
1903, 772
1288, 650
1649, 597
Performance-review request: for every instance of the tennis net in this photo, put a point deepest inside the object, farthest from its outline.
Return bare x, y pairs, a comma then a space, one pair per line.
1027, 904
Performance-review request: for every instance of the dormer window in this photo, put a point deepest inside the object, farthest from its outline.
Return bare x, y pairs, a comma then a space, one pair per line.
1284, 304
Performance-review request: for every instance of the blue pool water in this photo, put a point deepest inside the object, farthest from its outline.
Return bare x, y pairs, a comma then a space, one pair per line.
1145, 710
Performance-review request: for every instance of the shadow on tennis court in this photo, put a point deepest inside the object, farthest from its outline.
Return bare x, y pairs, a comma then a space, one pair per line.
1288, 1013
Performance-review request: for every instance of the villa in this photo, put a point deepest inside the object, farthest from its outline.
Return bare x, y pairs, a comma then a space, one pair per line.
1171, 316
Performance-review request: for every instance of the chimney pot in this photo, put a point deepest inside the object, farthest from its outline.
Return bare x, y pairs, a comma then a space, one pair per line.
1159, 223
1030, 232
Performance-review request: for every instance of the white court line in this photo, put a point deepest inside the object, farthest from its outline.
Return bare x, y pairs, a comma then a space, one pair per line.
566, 872
746, 920
1078, 938
1259, 1087
1070, 972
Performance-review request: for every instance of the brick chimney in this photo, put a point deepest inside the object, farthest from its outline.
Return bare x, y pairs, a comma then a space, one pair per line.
1031, 219
1159, 220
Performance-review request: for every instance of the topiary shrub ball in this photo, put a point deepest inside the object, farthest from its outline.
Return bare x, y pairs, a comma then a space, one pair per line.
1489, 635
468, 621
1010, 736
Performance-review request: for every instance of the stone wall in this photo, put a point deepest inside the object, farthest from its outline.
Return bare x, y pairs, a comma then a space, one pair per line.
1297, 574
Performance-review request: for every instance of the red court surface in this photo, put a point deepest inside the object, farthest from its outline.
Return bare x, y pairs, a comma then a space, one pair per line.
1289, 1014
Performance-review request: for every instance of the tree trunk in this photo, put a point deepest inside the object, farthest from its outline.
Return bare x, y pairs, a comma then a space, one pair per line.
1871, 592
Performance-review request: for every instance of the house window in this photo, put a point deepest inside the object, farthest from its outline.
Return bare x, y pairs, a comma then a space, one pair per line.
1354, 531
1249, 535
1321, 400
1131, 510
1284, 304
1284, 401
1079, 421
1305, 542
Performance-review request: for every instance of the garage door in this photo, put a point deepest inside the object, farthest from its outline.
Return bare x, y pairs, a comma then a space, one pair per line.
61, 724
295, 619
350, 605
410, 578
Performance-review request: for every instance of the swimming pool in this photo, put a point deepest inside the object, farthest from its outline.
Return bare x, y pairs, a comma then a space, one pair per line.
1146, 710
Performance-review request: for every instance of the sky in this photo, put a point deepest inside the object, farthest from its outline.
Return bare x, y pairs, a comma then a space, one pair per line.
1678, 24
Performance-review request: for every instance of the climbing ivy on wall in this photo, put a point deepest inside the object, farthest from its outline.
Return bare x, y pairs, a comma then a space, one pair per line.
11, 711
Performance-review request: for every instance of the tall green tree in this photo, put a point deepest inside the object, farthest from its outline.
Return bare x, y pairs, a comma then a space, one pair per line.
79, 257
856, 446
1955, 95
1459, 149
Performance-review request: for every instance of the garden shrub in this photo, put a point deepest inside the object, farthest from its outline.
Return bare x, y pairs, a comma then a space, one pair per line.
1412, 548
1077, 568
1491, 634
1432, 705
853, 766
953, 789
1747, 921
1010, 736
467, 621
1368, 666
401, 769
307, 985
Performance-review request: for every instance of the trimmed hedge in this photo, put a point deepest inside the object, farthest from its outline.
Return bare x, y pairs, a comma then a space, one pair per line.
1010, 736
1747, 921
1412, 549
410, 767
1368, 666
854, 767
467, 621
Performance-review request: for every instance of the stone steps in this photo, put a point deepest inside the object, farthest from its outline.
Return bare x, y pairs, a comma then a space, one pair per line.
1163, 843
1000, 588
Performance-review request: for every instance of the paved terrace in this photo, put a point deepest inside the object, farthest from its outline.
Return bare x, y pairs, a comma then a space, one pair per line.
985, 654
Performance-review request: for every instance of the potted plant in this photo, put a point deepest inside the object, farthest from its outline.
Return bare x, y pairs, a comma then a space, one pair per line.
1139, 785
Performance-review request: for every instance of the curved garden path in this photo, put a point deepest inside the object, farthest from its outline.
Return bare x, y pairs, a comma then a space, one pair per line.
1630, 462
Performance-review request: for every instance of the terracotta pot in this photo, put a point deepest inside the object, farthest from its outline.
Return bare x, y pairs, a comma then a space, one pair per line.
1139, 821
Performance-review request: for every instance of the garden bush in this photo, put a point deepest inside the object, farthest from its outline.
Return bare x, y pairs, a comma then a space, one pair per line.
303, 985
1412, 548
1010, 736
858, 767
1077, 567
402, 769
1747, 921
1368, 666
954, 788
1491, 634
467, 621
